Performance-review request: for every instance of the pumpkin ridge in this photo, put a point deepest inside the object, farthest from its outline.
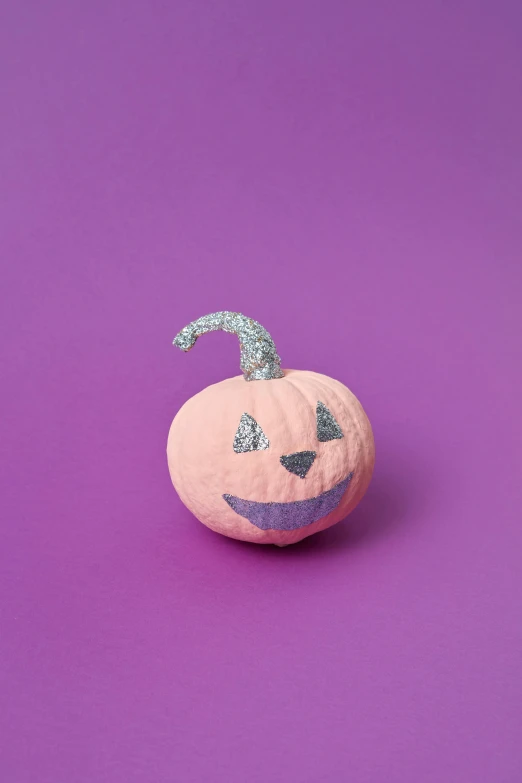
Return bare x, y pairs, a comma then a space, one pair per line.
290, 380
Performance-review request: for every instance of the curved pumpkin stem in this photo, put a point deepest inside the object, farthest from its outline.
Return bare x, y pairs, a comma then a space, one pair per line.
259, 358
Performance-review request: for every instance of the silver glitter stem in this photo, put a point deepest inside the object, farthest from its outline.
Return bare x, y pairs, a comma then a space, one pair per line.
259, 358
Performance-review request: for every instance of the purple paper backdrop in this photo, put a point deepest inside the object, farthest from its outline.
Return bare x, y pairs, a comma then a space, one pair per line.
350, 174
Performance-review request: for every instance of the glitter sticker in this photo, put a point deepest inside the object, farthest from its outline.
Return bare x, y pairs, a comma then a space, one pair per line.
299, 463
259, 358
249, 436
292, 515
327, 427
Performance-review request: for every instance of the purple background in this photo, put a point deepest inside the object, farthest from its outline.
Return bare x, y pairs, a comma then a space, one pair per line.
350, 174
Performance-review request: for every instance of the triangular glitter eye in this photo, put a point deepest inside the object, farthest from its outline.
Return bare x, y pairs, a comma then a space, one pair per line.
249, 436
327, 427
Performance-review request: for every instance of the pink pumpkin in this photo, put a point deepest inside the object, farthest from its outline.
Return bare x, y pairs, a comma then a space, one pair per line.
271, 456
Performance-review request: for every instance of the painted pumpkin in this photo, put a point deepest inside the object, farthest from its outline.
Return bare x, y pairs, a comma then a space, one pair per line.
271, 456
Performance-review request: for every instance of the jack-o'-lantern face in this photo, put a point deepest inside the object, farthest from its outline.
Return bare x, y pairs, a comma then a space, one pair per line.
292, 514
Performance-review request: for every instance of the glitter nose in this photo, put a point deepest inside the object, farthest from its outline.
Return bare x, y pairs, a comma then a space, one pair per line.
299, 463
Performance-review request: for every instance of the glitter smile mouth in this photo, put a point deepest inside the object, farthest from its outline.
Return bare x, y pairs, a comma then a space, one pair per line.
292, 515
